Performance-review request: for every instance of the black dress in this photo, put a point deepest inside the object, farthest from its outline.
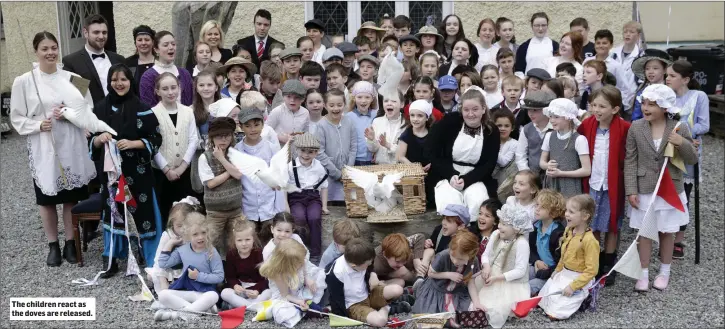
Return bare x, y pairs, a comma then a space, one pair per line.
137, 69
416, 153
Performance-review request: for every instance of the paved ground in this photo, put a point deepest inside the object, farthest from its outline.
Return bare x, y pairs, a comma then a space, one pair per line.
694, 299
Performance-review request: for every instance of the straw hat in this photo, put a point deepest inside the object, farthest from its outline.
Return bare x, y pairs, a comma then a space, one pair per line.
243, 62
650, 54
428, 30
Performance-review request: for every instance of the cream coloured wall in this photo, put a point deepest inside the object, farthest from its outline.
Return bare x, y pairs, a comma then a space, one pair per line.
601, 15
34, 17
689, 21
4, 68
288, 20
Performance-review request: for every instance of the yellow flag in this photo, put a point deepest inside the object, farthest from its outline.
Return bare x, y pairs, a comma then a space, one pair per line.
341, 321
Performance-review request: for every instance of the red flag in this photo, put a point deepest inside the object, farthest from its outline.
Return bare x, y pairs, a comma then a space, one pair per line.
668, 192
522, 308
121, 194
232, 318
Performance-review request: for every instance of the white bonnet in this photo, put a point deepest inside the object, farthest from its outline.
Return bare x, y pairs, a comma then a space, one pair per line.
422, 106
663, 95
563, 107
517, 217
222, 107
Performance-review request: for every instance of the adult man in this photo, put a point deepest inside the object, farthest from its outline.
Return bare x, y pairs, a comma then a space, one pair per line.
258, 44
92, 62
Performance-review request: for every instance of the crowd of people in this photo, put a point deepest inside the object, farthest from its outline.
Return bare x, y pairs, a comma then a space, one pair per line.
563, 132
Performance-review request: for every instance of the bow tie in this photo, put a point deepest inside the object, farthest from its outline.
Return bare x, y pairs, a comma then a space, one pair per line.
94, 56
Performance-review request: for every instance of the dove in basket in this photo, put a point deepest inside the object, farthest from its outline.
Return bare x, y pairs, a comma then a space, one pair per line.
380, 195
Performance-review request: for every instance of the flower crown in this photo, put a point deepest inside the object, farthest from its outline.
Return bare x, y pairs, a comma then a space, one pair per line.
517, 217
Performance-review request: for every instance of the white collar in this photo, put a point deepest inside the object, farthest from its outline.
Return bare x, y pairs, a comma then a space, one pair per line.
91, 52
258, 39
563, 136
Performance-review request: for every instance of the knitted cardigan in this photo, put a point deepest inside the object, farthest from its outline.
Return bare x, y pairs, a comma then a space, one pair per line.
228, 195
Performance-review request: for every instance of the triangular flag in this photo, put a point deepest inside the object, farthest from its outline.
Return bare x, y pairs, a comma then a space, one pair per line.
232, 318
628, 264
341, 321
668, 192
123, 194
264, 312
522, 308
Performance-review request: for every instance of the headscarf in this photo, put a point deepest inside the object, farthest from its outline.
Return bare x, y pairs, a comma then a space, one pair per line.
125, 119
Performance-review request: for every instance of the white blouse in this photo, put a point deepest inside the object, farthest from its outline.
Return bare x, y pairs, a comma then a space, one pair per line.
392, 131
493, 99
486, 56
506, 152
65, 145
538, 50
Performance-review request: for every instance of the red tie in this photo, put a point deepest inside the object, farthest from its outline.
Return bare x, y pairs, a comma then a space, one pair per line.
260, 49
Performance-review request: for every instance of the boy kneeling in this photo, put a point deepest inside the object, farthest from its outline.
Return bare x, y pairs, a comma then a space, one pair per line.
356, 292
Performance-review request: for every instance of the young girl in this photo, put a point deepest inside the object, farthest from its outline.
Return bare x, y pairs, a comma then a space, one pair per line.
374, 33
642, 166
174, 230
594, 73
606, 134
544, 240
449, 286
361, 111
490, 80
650, 68
195, 290
386, 23
505, 36
526, 185
485, 48
566, 156
219, 173
464, 53
291, 279
382, 136
574, 274
452, 30
505, 165
428, 64
430, 39
409, 50
180, 140
206, 93
423, 89
410, 144
486, 223
308, 205
244, 285
306, 47
202, 57
240, 73
694, 106
316, 105
338, 143
504, 280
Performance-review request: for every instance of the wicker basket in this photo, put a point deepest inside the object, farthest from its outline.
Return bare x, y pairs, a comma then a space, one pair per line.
411, 186
395, 215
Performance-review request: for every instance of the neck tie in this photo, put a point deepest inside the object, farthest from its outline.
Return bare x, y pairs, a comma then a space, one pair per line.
260, 49
94, 56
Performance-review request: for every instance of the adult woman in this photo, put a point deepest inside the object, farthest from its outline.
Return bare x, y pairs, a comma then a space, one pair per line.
53, 143
240, 73
464, 53
135, 146
463, 149
143, 59
452, 30
538, 46
165, 47
570, 51
211, 33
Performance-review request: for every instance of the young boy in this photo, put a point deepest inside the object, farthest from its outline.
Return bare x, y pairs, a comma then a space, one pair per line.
368, 68
337, 79
409, 46
448, 86
506, 60
544, 241
399, 259
528, 150
565, 70
511, 88
291, 62
311, 74
257, 198
316, 31
402, 25
455, 218
625, 55
271, 75
332, 55
356, 291
342, 232
603, 43
581, 25
364, 47
290, 117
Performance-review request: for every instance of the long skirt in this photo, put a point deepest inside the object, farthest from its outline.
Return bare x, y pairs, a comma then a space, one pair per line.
559, 306
499, 297
120, 243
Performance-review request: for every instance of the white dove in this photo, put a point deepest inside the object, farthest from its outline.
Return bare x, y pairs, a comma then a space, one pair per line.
275, 175
380, 195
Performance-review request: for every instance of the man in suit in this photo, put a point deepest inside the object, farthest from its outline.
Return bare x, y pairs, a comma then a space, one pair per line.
92, 62
258, 44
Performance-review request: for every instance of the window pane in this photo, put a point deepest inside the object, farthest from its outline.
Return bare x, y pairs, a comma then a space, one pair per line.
333, 14
374, 10
420, 10
78, 11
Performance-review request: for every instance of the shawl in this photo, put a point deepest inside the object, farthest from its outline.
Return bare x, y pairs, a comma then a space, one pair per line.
615, 166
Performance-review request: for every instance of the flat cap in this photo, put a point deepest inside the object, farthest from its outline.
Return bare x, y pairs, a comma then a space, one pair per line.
294, 87
315, 24
368, 58
250, 114
331, 53
538, 73
289, 52
347, 47
537, 99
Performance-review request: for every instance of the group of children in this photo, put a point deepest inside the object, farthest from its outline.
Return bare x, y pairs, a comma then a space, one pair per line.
568, 159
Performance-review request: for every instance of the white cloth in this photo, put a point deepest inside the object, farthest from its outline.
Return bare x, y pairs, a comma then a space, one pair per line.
180, 140
317, 56
206, 174
530, 208
669, 219
497, 46
71, 145
550, 63
102, 66
308, 176
392, 130
539, 49
467, 149
580, 145
486, 56
628, 83
493, 99
353, 282
600, 162
559, 306
507, 152
522, 157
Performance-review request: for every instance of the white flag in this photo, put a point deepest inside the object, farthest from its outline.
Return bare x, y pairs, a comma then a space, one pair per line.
629, 264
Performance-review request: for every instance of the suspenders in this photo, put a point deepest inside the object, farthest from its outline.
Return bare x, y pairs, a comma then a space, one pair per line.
297, 178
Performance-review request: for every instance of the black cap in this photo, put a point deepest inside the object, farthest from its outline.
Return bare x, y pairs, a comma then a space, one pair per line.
538, 73
315, 24
409, 37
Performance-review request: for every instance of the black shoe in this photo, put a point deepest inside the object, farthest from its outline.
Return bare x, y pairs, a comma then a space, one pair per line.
111, 272
54, 257
609, 261
679, 251
69, 251
400, 307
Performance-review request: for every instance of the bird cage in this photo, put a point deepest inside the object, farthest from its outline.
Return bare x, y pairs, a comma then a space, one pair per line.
411, 187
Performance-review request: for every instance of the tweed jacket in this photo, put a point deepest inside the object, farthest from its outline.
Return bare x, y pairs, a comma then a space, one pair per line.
642, 163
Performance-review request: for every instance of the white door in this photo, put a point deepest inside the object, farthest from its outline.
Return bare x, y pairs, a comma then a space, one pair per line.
71, 15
